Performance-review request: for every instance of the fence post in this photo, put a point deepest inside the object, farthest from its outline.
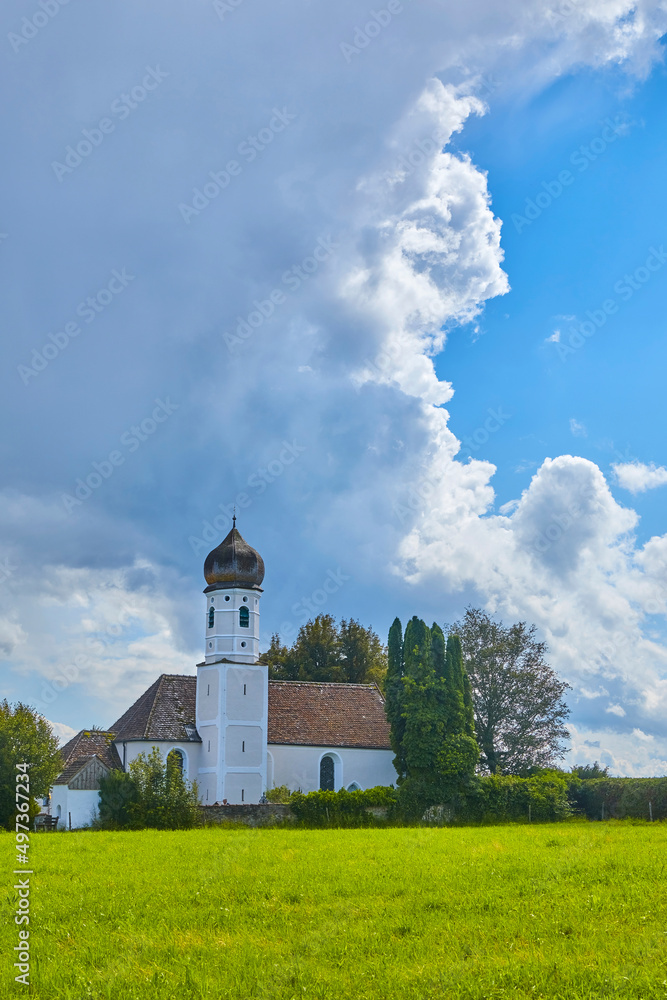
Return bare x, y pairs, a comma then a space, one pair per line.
650, 812
530, 812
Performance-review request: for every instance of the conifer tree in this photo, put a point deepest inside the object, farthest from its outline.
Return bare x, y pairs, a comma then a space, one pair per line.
423, 702
394, 695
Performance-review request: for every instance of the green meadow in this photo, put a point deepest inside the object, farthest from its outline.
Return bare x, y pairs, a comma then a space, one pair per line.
575, 910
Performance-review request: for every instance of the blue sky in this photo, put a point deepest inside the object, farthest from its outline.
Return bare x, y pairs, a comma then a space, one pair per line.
280, 258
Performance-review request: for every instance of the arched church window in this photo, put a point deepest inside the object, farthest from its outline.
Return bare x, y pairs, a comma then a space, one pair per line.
244, 618
176, 757
211, 616
327, 774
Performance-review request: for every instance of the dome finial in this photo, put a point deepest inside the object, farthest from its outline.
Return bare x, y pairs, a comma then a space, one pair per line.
234, 517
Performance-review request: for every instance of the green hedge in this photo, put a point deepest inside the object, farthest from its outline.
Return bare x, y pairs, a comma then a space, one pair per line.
498, 798
621, 797
543, 798
333, 809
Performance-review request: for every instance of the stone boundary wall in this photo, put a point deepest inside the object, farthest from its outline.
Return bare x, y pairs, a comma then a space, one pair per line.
271, 814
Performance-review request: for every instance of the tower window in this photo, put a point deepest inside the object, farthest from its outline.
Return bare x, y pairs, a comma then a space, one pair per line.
211, 616
175, 757
244, 689
227, 597
243, 795
243, 746
243, 645
244, 618
245, 600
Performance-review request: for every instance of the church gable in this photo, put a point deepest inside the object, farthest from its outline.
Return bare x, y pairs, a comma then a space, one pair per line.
89, 776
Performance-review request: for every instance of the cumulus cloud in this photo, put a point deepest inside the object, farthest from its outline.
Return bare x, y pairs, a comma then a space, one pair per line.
637, 477
378, 477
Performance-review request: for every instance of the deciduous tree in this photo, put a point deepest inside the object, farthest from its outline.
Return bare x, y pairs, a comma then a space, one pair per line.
25, 738
518, 700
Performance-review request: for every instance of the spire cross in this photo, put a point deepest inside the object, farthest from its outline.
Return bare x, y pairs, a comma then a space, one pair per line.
234, 517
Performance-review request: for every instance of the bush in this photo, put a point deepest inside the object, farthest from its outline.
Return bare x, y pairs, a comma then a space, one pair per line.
343, 808
620, 797
280, 794
154, 794
497, 798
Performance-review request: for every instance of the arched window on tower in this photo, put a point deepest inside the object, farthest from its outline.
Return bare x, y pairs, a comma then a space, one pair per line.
244, 618
327, 774
211, 616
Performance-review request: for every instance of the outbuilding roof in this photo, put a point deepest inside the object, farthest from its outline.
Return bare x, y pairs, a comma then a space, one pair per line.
166, 711
87, 743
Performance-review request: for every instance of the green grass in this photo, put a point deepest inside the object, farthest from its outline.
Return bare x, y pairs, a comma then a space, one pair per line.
576, 910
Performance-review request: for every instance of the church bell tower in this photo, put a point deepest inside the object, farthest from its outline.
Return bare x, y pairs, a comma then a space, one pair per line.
232, 687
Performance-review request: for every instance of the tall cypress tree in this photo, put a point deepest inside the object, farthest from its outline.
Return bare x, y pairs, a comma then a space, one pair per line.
423, 702
459, 754
394, 693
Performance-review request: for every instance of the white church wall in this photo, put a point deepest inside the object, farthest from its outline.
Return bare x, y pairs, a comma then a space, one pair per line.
299, 767
242, 787
80, 804
191, 753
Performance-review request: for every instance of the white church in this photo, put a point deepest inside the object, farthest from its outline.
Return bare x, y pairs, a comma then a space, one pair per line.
236, 733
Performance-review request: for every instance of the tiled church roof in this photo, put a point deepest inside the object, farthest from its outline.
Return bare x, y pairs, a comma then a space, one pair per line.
309, 713
166, 711
301, 713
86, 744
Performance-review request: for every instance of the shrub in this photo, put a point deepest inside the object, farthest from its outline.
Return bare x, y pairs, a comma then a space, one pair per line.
343, 808
620, 797
280, 794
154, 794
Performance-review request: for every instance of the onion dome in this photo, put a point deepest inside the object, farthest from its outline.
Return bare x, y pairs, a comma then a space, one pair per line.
234, 564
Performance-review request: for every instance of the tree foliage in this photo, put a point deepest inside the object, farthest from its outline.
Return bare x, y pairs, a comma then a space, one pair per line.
325, 651
431, 731
25, 738
153, 794
519, 710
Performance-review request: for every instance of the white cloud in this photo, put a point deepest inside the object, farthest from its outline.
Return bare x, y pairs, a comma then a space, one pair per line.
554, 338
637, 477
577, 429
63, 732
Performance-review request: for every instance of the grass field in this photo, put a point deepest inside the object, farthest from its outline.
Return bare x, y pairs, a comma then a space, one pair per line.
569, 911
